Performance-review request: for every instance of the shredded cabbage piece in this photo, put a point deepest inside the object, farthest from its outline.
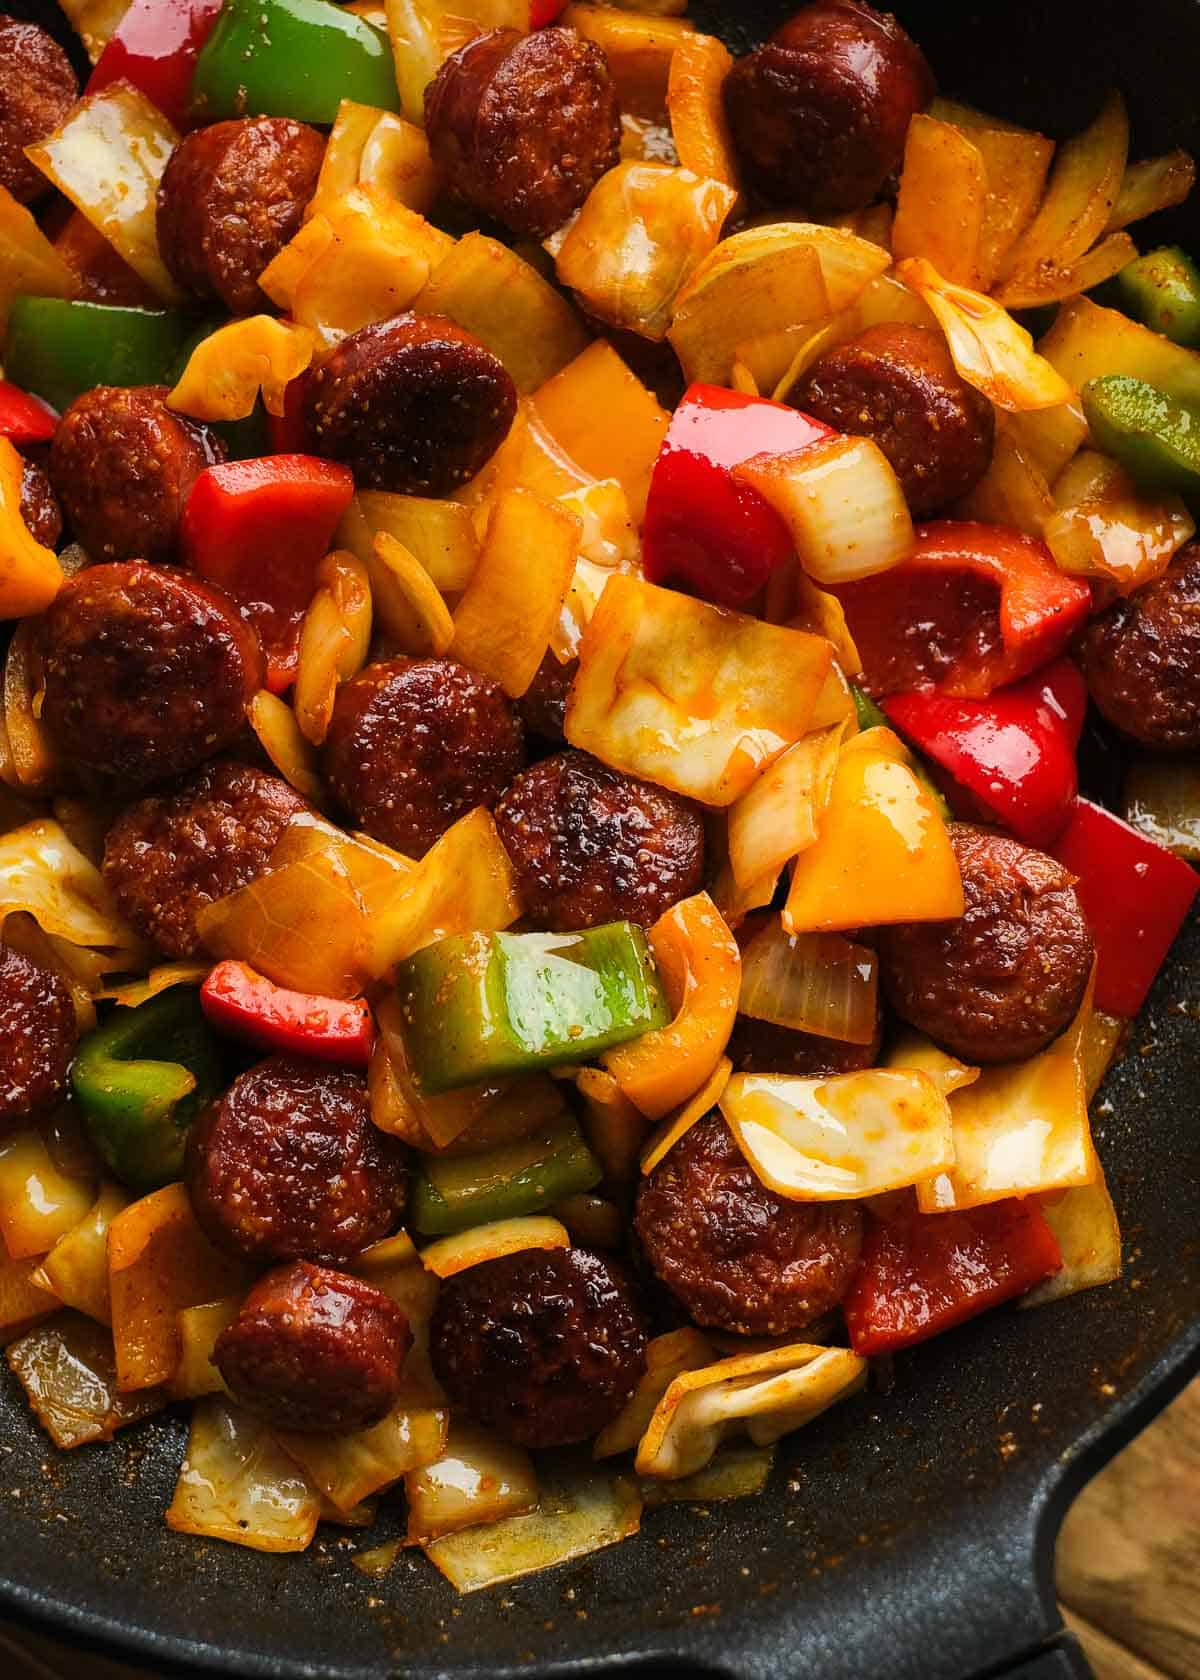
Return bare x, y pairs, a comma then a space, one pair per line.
816, 983
478, 1479
238, 1484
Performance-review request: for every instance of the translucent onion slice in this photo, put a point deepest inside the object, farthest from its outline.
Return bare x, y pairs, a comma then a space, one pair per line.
775, 276
942, 201
911, 1049
1157, 183
44, 874
279, 735
95, 22
854, 1135
493, 1241
478, 1479
613, 1126
347, 1469
1161, 799
23, 1302
579, 1513
1089, 1235
371, 147
131, 993
199, 1327
667, 1357
238, 1484
735, 1473
1049, 437
333, 640
1013, 491
667, 1134
1102, 528
811, 982
779, 817
763, 1395
417, 50
69, 1377
76, 1268
440, 535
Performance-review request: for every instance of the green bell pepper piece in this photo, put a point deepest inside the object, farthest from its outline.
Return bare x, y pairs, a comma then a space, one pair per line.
1153, 436
59, 349
1162, 289
481, 1006
452, 1193
138, 1110
291, 58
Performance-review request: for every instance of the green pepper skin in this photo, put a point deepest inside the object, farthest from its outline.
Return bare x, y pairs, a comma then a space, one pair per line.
1153, 436
472, 1190
481, 1006
291, 58
58, 349
1162, 290
138, 1110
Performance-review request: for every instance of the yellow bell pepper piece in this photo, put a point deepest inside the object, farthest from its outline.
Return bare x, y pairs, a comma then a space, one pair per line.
30, 575
227, 370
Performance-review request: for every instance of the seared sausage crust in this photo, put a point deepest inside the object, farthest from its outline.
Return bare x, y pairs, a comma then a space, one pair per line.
37, 1037
37, 89
523, 126
169, 855
39, 505
544, 1347
733, 1253
1008, 976
1141, 658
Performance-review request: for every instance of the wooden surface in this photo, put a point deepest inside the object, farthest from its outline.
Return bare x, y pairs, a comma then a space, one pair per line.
1128, 1568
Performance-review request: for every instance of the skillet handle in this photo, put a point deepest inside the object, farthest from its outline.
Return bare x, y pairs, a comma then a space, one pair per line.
1064, 1660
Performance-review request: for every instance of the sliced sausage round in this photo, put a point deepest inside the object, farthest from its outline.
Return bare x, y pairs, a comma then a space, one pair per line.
819, 114
37, 89
543, 706
544, 1346
231, 197
590, 845
315, 1350
37, 1031
1002, 981
39, 506
414, 744
123, 464
169, 855
897, 385
287, 1164
734, 1254
523, 126
1141, 658
414, 404
147, 673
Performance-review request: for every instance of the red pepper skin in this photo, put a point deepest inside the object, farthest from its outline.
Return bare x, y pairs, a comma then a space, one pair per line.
1009, 759
287, 432
155, 47
1039, 607
1136, 896
704, 532
259, 529
923, 1273
24, 419
543, 12
240, 1001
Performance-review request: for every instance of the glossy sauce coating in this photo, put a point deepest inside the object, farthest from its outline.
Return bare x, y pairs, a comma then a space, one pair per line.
315, 1350
288, 1164
1008, 976
39, 505
762, 1047
1141, 658
169, 855
543, 706
544, 1347
37, 1038
734, 1254
37, 89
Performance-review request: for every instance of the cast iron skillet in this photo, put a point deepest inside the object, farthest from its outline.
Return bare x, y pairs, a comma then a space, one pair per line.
903, 1537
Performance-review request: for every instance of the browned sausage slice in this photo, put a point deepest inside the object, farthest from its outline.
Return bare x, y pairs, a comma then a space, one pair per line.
169, 855
230, 199
733, 1253
288, 1164
523, 126
315, 1350
1141, 658
414, 404
762, 1047
1003, 980
39, 505
37, 1037
543, 706
147, 673
414, 744
897, 385
544, 1347
591, 845
123, 465
37, 89
820, 113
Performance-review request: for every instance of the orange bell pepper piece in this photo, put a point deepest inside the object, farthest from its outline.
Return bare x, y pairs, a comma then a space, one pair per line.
30, 575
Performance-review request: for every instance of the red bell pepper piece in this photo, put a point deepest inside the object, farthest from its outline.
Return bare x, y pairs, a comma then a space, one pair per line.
1009, 759
923, 1273
287, 432
259, 529
971, 608
543, 12
155, 47
704, 532
240, 1001
24, 419
1136, 896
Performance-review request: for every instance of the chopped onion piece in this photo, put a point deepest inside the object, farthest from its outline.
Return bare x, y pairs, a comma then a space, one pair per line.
1020, 1127
34, 763
1049, 437
38, 1203
1161, 799
347, 1469
1157, 183
69, 1376
735, 1473
333, 640
95, 22
478, 1479
76, 1268
764, 1395
1103, 529
988, 348
279, 735
942, 203
780, 814
43, 873
413, 30
1013, 491
415, 1292
857, 1134
199, 1327
613, 1126
238, 1484
228, 370
372, 147
439, 535
23, 1302
687, 695
578, 1514
668, 1133
911, 1049
161, 978
667, 1357
1085, 1223
491, 1242
811, 982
